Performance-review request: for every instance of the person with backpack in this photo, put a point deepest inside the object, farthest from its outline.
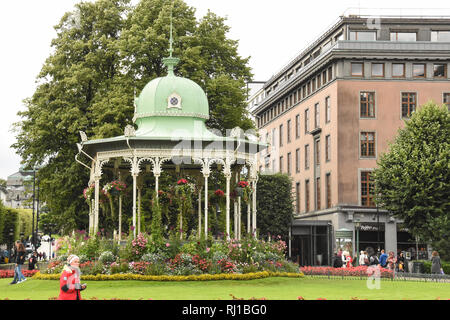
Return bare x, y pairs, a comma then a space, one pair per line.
372, 257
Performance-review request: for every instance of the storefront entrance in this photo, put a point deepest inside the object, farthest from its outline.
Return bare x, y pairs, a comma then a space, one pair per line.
371, 234
311, 243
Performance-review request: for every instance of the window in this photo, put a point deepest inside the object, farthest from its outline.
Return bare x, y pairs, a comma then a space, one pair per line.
403, 36
319, 81
377, 69
398, 70
318, 204
307, 121
281, 135
363, 35
330, 74
357, 69
367, 104
297, 198
316, 116
297, 160
367, 144
273, 137
313, 85
289, 158
408, 104
317, 149
304, 91
297, 126
367, 189
419, 70
440, 70
324, 77
446, 99
327, 110
328, 189
307, 157
307, 195
281, 164
288, 128
440, 36
328, 148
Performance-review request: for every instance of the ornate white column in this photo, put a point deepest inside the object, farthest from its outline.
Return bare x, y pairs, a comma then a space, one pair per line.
249, 227
228, 179
206, 204
96, 206
134, 174
120, 218
91, 217
254, 207
199, 213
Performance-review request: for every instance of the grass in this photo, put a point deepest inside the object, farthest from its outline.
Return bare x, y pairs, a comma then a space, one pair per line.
269, 288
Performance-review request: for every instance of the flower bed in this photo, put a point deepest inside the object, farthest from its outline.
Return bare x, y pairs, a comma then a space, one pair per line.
201, 277
361, 271
10, 273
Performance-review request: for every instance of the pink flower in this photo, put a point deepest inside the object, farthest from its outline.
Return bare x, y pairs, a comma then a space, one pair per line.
208, 249
167, 245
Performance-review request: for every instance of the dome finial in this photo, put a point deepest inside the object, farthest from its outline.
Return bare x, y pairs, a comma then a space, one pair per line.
171, 62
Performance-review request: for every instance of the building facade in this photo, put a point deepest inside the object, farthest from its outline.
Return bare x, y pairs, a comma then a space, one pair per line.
19, 187
331, 112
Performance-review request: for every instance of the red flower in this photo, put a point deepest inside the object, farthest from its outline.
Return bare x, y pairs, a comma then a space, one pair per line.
219, 193
182, 181
243, 184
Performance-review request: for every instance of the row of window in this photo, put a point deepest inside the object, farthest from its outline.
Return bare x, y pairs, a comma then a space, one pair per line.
419, 70
436, 36
367, 192
300, 93
318, 195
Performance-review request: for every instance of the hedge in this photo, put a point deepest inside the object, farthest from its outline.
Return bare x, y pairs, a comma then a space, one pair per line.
427, 266
202, 277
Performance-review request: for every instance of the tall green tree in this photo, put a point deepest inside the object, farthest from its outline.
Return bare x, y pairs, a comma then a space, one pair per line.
275, 209
413, 177
104, 53
73, 84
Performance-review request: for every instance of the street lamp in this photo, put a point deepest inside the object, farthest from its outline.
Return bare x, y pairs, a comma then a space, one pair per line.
357, 224
11, 235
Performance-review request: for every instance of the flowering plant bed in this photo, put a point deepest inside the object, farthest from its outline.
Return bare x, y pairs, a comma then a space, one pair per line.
361, 271
10, 273
201, 277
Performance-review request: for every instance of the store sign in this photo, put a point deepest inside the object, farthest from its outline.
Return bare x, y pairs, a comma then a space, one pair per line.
344, 234
371, 227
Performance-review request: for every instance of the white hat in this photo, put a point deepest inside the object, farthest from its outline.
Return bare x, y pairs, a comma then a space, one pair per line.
71, 258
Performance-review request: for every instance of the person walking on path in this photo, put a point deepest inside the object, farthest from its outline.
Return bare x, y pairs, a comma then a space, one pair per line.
383, 259
20, 260
32, 261
69, 282
436, 266
391, 261
401, 262
362, 258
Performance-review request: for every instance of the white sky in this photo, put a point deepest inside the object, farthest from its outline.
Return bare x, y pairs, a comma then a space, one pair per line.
271, 32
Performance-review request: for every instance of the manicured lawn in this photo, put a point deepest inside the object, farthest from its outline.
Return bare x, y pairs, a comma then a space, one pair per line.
269, 288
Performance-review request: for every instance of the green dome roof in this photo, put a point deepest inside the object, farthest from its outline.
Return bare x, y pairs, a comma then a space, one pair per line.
171, 96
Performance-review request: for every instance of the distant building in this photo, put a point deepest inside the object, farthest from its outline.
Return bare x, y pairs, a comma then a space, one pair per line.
3, 194
19, 189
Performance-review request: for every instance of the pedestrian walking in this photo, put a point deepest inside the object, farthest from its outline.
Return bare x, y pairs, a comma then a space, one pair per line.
401, 262
20, 260
69, 282
383, 259
32, 261
391, 261
362, 258
436, 266
337, 263
373, 258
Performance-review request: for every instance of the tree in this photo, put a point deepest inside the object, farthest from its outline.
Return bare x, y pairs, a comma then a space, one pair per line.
413, 178
275, 209
104, 52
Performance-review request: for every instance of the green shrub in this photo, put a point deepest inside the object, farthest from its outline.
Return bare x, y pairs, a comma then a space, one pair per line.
107, 257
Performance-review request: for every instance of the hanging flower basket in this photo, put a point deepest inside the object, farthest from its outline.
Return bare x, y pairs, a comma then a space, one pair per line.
88, 193
115, 188
219, 193
243, 190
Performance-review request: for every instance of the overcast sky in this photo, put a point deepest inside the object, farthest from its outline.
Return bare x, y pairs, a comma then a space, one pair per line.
271, 32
